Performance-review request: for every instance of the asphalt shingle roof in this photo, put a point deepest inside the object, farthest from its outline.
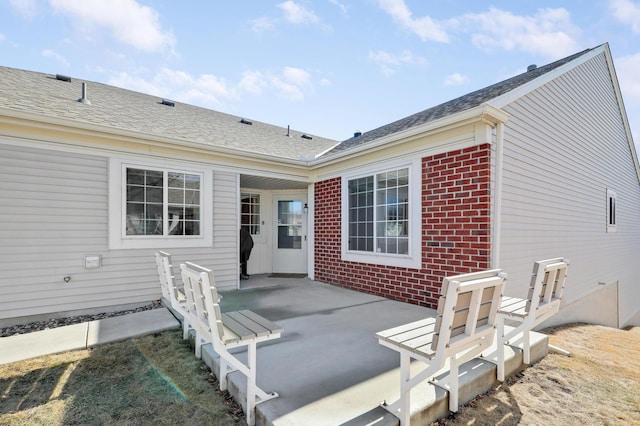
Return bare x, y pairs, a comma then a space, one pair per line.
118, 108
128, 110
460, 104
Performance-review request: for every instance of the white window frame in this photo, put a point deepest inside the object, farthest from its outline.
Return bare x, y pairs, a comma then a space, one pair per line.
611, 211
414, 258
117, 208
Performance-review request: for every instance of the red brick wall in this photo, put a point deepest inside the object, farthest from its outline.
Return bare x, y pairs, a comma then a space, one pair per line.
455, 230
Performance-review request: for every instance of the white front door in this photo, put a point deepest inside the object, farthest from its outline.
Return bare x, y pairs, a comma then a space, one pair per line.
290, 234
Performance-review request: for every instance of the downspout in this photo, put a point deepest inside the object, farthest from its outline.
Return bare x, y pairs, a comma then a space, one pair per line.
497, 203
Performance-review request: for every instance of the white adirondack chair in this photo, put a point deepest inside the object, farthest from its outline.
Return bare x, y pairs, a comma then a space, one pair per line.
464, 327
171, 292
227, 331
543, 301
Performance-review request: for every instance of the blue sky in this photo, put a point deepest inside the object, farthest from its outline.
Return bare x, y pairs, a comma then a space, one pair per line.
326, 67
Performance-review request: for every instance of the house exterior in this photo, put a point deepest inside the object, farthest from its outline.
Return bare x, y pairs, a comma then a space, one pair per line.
94, 179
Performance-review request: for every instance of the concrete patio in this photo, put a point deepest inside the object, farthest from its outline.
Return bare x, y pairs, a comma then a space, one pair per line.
329, 369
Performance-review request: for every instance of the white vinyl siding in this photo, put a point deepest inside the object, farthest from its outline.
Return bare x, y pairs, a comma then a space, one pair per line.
54, 212
564, 145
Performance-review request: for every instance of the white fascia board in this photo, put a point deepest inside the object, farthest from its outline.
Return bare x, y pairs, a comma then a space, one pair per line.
485, 112
520, 91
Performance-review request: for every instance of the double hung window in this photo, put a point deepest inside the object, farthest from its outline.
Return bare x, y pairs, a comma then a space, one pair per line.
163, 203
379, 214
155, 206
382, 215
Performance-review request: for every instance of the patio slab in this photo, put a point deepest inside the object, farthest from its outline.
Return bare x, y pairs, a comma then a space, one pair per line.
329, 369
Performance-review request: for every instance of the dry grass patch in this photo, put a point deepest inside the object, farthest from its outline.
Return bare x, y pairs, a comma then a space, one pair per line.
153, 379
598, 385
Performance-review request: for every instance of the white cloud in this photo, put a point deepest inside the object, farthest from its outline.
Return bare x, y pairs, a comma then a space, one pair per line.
286, 90
206, 90
627, 12
56, 56
26, 8
253, 82
127, 20
297, 76
344, 10
548, 32
210, 91
296, 13
262, 24
425, 27
455, 79
389, 62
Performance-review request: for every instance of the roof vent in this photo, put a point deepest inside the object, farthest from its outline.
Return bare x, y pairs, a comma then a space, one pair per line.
63, 78
532, 67
83, 97
304, 136
167, 102
245, 121
288, 131
357, 134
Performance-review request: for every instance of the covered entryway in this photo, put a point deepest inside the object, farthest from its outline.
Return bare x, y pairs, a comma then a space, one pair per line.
276, 213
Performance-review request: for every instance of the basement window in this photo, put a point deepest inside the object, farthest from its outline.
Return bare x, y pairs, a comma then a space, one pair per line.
611, 211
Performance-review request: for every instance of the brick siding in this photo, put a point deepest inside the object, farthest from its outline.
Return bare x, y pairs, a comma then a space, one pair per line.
456, 208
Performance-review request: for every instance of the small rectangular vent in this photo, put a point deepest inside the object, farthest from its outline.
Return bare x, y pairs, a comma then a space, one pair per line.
247, 122
167, 102
63, 78
306, 137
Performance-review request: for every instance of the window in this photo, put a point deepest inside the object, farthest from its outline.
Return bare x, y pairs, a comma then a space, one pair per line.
380, 219
250, 212
378, 213
155, 206
162, 203
611, 211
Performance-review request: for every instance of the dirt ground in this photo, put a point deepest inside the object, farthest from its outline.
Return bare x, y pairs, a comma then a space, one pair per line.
599, 384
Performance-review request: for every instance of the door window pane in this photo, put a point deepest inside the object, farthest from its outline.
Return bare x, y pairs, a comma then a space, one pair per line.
290, 224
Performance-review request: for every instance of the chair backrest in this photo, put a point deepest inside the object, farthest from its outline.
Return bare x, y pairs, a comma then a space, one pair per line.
467, 309
201, 293
547, 285
165, 273
167, 278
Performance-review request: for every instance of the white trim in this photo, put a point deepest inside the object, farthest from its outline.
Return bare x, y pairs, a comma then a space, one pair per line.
117, 239
311, 232
414, 258
611, 211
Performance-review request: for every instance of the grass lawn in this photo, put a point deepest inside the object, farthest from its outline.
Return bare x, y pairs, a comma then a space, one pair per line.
153, 379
